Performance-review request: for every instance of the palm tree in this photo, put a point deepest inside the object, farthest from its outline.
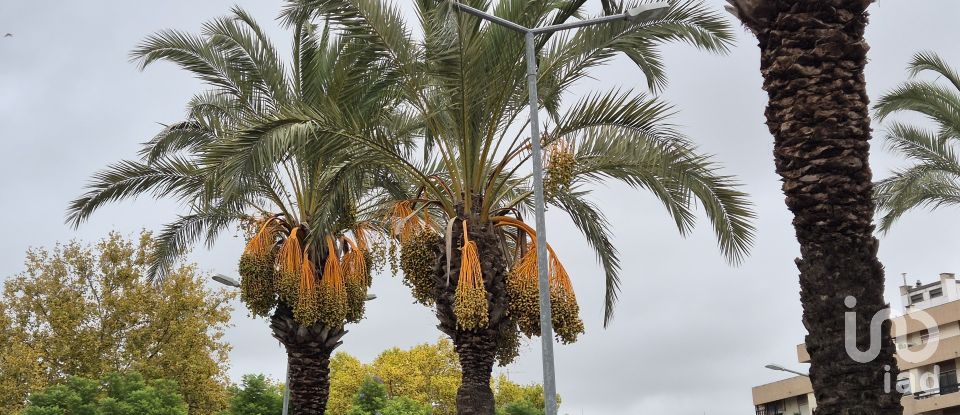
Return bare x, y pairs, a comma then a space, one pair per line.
812, 56
934, 178
307, 262
463, 245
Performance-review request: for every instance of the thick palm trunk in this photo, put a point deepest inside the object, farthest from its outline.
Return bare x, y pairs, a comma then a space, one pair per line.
812, 59
475, 348
477, 352
308, 352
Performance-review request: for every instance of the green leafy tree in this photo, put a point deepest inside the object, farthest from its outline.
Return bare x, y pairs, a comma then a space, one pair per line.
933, 178
427, 373
520, 408
307, 263
115, 394
465, 83
509, 394
371, 397
256, 395
88, 311
812, 58
405, 406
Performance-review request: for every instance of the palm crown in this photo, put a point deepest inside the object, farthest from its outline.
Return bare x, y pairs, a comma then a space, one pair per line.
933, 178
302, 204
464, 81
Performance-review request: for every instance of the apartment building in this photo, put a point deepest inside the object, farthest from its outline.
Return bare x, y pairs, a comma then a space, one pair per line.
927, 357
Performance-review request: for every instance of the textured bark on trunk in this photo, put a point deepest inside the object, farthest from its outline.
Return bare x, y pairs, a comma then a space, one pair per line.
477, 351
812, 59
308, 350
475, 348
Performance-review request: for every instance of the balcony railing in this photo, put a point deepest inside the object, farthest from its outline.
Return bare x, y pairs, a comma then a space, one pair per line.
942, 390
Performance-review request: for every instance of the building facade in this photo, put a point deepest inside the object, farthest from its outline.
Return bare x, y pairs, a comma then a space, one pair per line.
927, 337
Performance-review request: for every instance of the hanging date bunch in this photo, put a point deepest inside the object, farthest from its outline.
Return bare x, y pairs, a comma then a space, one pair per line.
565, 312
290, 266
417, 259
257, 270
470, 300
523, 291
333, 292
403, 224
560, 168
356, 273
306, 310
508, 343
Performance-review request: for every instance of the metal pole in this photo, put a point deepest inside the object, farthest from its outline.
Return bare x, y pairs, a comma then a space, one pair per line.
546, 323
286, 390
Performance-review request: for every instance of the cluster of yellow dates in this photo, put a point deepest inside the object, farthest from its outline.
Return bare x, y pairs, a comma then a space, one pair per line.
278, 266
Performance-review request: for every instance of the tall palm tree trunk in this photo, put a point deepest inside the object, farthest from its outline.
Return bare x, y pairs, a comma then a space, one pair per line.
308, 353
812, 59
477, 349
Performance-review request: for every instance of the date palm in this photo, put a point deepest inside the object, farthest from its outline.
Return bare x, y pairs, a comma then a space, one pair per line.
812, 56
307, 262
464, 247
933, 179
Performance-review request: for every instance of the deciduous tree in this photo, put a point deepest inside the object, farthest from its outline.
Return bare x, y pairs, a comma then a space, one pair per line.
115, 394
256, 395
426, 373
80, 310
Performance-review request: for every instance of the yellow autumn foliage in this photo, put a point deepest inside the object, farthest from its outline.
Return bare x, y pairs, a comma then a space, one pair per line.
80, 310
426, 373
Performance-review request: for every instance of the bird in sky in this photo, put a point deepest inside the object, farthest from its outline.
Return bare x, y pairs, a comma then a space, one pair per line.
8, 35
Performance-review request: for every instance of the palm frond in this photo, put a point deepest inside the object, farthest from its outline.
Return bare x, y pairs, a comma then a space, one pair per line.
596, 230
929, 61
932, 178
170, 176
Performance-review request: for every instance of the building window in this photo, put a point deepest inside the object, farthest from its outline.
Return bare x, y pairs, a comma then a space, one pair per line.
936, 292
803, 405
927, 336
776, 408
916, 298
761, 410
903, 386
948, 377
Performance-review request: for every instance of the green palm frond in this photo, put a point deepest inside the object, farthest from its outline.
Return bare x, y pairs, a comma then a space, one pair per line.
677, 176
596, 230
248, 49
929, 61
177, 237
933, 178
168, 177
691, 22
465, 85
195, 55
262, 140
937, 103
376, 22
184, 135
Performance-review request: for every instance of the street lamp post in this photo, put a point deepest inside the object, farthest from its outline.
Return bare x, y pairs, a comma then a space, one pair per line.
783, 369
232, 282
641, 13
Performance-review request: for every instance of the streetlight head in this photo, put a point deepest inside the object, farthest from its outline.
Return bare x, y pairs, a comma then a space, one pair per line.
774, 367
225, 280
371, 297
649, 11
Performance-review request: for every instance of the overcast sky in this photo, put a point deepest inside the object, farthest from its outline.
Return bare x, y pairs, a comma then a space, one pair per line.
692, 334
